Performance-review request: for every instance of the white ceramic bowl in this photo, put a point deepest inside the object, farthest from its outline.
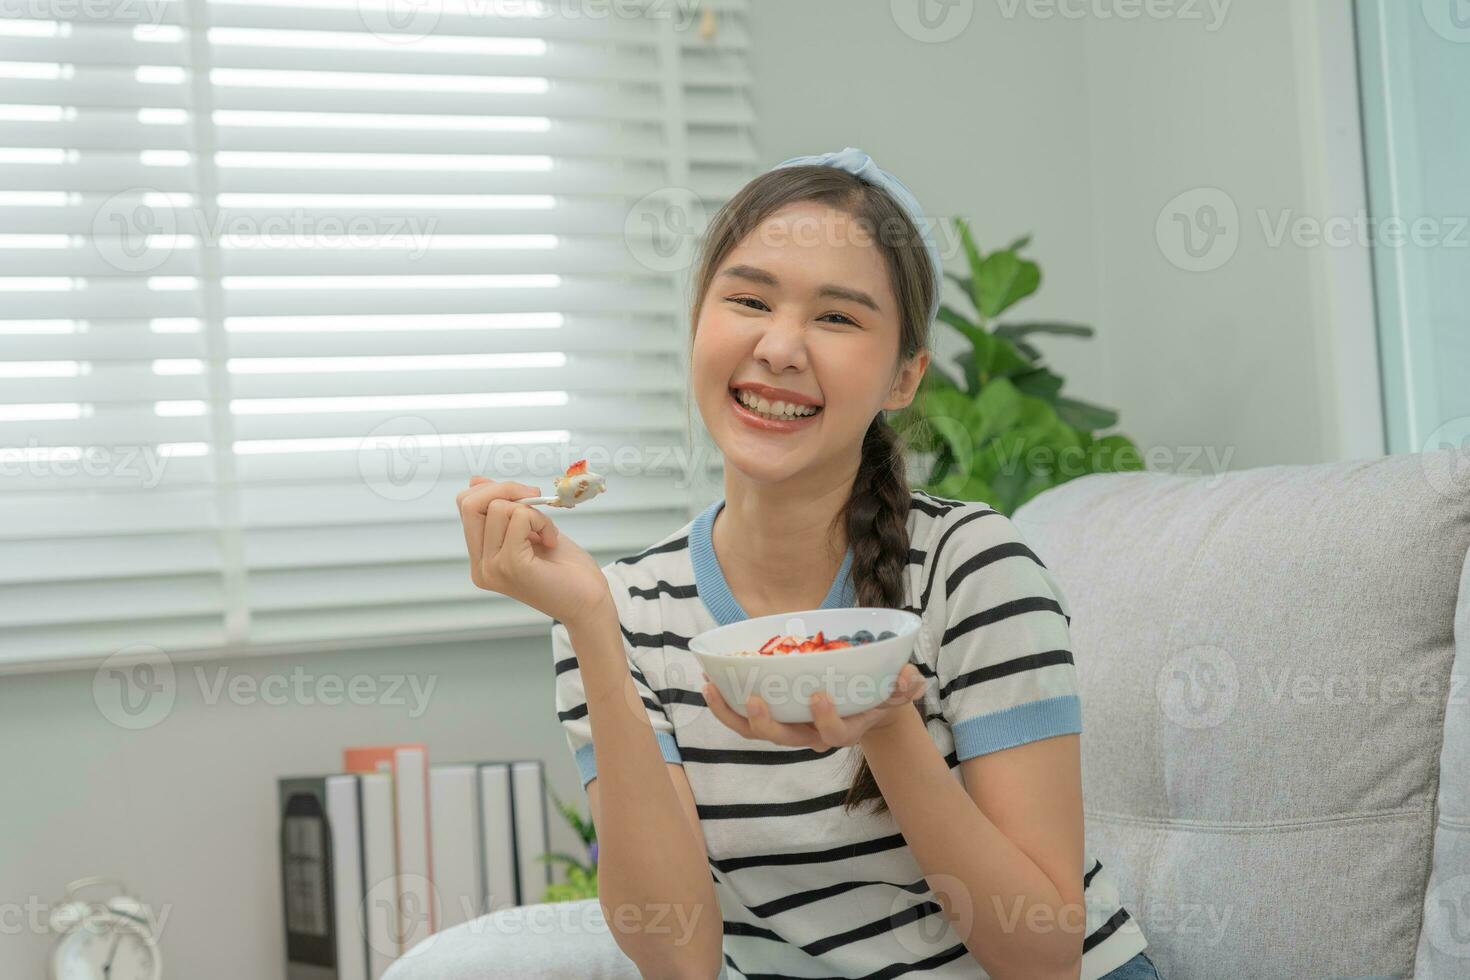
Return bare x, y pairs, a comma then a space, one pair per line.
855, 678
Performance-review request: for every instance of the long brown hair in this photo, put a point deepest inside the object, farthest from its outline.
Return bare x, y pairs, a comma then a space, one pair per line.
876, 513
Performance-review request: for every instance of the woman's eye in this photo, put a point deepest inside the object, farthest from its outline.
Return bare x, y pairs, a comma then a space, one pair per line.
751, 303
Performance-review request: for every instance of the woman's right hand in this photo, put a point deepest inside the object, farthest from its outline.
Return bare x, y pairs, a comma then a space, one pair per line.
517, 551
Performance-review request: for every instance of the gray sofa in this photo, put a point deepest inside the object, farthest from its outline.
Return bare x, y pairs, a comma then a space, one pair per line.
1276, 715
1276, 734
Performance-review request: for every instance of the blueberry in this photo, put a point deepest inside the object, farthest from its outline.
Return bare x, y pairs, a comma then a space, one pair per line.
862, 636
844, 636
887, 635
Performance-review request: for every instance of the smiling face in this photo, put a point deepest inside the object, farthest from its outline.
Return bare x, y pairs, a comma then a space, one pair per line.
802, 311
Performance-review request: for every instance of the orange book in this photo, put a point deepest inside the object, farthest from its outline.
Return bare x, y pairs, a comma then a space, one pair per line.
413, 892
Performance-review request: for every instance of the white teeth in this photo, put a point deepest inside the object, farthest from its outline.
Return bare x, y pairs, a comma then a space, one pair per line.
777, 409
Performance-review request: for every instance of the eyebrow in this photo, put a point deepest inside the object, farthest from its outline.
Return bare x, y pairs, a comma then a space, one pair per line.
831, 290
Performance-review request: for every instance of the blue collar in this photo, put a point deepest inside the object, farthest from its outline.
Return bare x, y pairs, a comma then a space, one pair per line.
709, 580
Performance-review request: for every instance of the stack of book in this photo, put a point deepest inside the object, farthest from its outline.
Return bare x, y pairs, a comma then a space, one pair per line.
391, 850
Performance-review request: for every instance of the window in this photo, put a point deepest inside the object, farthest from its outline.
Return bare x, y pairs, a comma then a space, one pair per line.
277, 277
1415, 61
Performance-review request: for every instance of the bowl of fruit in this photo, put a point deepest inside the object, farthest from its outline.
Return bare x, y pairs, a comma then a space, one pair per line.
854, 655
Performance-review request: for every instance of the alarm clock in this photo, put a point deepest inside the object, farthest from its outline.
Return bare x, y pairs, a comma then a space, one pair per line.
103, 940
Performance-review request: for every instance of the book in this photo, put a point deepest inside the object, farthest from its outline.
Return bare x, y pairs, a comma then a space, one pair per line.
322, 877
454, 807
528, 800
497, 837
408, 766
380, 874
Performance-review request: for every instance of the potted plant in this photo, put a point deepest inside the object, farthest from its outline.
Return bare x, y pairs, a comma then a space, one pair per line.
581, 876
999, 429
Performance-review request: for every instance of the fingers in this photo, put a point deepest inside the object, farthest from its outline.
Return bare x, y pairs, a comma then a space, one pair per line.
475, 504
762, 725
723, 711
526, 522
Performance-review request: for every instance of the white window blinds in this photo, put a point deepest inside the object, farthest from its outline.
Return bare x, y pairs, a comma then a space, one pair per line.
276, 278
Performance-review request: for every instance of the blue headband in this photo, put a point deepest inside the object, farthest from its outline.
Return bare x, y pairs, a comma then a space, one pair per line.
855, 161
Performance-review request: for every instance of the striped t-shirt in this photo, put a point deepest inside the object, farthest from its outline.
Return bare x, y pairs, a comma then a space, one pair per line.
805, 889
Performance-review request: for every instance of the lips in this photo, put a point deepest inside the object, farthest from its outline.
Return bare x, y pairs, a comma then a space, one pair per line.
757, 421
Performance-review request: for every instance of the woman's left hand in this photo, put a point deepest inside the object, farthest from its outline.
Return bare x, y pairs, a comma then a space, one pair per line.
827, 730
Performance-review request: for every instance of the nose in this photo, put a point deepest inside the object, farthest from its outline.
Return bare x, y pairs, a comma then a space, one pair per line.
782, 345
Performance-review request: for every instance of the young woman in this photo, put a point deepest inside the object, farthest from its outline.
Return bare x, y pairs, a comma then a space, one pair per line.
937, 835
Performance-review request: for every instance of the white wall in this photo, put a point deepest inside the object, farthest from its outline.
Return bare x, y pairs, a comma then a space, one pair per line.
1076, 131
184, 811
1080, 129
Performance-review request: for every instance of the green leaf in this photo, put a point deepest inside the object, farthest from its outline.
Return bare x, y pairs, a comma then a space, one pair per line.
1015, 331
1038, 383
973, 332
1115, 454
1003, 280
1005, 359
972, 251
997, 409
1082, 415
560, 857
1019, 244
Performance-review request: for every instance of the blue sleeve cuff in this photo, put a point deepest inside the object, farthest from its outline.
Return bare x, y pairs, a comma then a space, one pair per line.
587, 763
1009, 727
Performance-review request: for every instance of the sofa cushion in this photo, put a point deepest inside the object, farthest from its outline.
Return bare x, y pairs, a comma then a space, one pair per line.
1265, 659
